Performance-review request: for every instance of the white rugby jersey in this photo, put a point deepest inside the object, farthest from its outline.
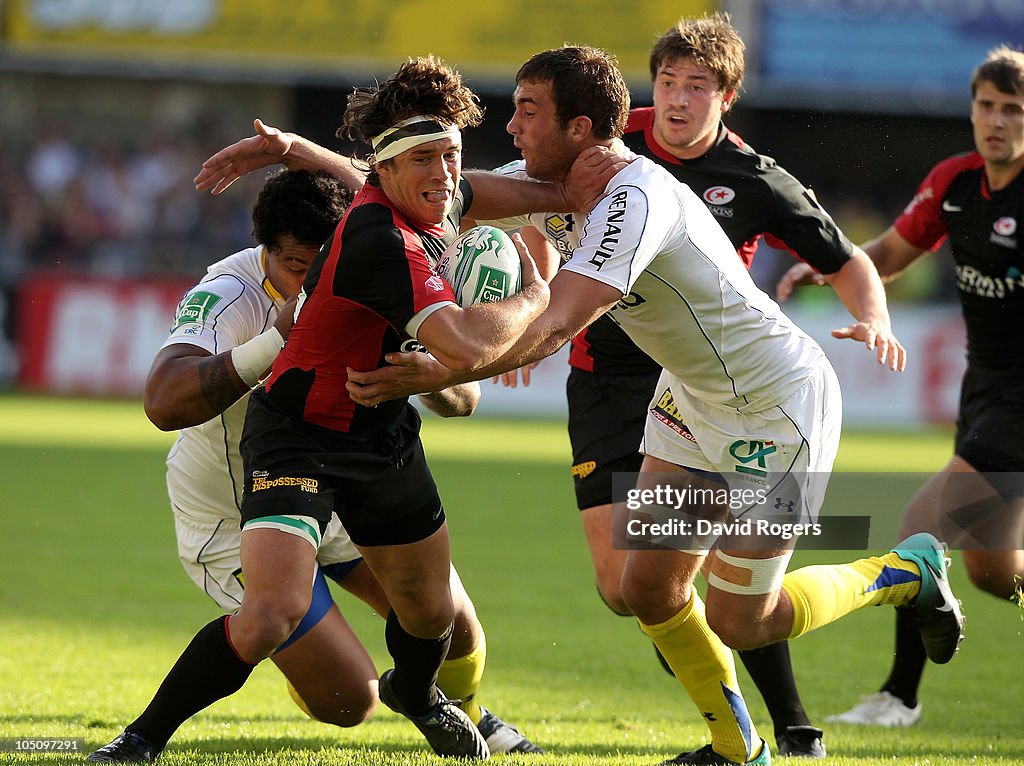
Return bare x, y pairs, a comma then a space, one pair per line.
562, 230
688, 301
232, 304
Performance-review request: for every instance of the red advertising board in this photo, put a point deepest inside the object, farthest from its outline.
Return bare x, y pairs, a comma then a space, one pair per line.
89, 335
99, 336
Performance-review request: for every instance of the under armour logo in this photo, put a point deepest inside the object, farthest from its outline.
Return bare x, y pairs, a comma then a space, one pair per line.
709, 716
787, 504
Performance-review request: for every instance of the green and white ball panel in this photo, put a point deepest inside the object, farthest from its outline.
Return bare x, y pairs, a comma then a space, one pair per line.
482, 266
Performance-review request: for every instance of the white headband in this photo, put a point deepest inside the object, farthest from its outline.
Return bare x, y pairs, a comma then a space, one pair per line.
406, 134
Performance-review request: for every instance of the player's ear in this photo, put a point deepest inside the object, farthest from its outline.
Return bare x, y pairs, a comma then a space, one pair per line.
580, 128
728, 99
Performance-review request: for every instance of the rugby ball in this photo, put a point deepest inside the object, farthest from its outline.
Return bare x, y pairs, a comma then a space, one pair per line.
482, 266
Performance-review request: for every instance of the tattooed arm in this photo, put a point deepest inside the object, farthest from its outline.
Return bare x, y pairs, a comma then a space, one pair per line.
187, 385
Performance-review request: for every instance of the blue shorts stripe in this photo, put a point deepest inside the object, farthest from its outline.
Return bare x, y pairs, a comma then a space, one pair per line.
319, 604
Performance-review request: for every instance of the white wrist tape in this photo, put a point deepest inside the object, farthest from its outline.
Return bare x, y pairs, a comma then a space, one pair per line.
254, 357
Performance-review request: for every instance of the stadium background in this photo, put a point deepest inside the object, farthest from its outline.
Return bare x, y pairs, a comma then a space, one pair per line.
109, 107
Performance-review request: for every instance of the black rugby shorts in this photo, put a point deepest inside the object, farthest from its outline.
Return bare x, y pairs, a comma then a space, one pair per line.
990, 426
378, 484
606, 425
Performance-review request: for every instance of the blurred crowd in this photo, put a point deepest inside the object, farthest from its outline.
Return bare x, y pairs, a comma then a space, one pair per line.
110, 209
107, 208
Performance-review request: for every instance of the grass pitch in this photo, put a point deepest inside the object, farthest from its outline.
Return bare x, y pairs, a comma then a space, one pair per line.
94, 608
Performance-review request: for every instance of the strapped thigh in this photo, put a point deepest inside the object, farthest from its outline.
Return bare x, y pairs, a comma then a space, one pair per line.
748, 577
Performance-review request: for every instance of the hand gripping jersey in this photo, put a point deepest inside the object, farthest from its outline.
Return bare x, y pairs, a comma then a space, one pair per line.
688, 302
984, 230
233, 303
750, 197
366, 295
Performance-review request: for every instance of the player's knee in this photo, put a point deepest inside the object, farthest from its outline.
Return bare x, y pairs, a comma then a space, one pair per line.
344, 706
610, 591
735, 631
467, 633
646, 598
353, 710
268, 622
427, 617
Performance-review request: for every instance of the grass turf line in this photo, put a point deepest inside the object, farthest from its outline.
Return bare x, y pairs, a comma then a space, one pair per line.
95, 609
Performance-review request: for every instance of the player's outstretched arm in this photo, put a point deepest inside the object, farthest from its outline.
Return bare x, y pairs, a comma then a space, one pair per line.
891, 254
460, 341
576, 301
497, 196
453, 402
797, 275
271, 146
859, 288
548, 261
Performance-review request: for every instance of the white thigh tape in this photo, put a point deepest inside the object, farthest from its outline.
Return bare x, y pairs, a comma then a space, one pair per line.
748, 577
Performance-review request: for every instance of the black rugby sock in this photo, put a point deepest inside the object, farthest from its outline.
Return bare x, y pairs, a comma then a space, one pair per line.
771, 670
208, 670
417, 661
908, 662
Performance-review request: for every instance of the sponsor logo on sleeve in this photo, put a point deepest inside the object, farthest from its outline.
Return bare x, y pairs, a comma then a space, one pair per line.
556, 230
195, 308
411, 344
612, 229
435, 283
920, 198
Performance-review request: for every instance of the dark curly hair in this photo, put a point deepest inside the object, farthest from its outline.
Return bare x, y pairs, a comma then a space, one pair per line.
585, 82
421, 86
306, 205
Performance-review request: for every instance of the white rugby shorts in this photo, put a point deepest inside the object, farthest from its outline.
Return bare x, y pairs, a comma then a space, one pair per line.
209, 549
787, 450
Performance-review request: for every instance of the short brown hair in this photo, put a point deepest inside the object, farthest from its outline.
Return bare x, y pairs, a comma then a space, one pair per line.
585, 82
1004, 68
711, 41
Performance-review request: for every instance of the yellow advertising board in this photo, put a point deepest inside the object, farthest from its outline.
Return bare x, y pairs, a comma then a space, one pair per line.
345, 37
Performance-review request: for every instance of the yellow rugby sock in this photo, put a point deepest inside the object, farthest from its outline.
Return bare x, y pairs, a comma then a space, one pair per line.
705, 668
460, 678
821, 594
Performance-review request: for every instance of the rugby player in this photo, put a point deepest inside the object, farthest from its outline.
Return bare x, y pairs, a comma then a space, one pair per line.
739, 371
976, 200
